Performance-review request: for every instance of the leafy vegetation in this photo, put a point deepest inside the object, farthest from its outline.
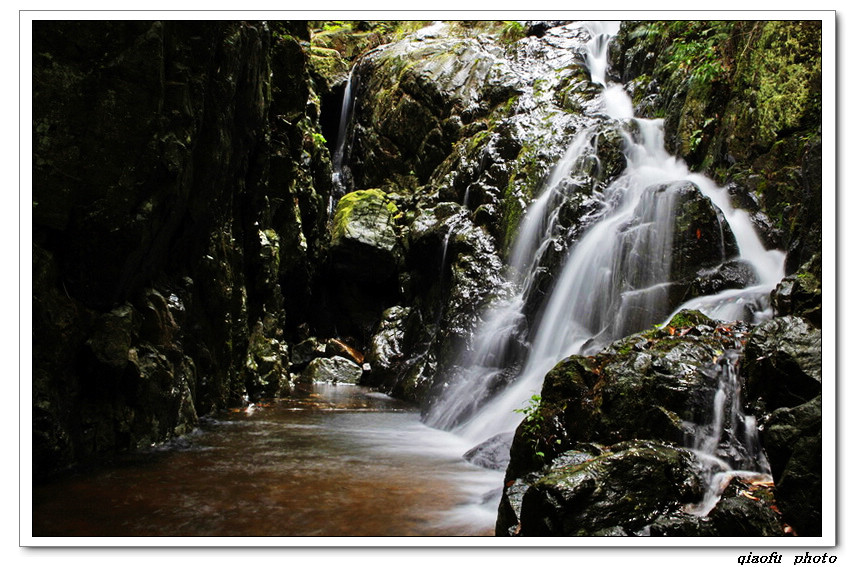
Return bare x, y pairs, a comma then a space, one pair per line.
533, 423
696, 49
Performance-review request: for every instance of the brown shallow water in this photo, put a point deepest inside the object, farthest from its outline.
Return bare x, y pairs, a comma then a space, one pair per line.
330, 461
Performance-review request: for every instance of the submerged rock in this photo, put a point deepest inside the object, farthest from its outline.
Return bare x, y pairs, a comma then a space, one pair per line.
494, 453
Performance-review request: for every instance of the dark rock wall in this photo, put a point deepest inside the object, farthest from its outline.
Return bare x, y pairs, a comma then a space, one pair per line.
175, 207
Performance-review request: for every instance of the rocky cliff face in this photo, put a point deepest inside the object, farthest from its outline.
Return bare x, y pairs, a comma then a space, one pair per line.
177, 208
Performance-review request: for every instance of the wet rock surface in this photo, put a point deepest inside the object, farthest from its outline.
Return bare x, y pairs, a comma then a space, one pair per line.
783, 363
334, 370
492, 453
610, 492
762, 139
637, 402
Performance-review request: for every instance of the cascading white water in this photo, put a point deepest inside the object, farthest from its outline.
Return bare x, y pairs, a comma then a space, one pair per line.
728, 444
504, 320
341, 143
613, 280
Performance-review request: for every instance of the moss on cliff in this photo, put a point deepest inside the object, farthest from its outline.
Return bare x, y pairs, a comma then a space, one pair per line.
741, 101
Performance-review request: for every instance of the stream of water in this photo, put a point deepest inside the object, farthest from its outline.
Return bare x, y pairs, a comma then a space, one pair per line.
326, 461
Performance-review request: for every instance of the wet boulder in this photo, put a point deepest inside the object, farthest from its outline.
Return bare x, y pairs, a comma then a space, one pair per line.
624, 488
783, 363
392, 347
733, 274
648, 385
267, 362
456, 268
746, 510
702, 239
801, 293
334, 370
743, 510
305, 351
364, 242
655, 389
415, 95
363, 262
792, 438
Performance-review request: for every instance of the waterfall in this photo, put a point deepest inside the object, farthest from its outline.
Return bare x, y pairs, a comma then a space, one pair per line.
339, 175
729, 439
613, 280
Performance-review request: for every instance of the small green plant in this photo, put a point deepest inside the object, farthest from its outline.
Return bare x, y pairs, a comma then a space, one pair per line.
533, 422
698, 135
318, 138
512, 31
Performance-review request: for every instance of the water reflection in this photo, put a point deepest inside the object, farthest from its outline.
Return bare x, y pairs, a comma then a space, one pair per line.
329, 461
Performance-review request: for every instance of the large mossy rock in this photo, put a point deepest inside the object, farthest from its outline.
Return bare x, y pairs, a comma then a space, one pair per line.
642, 387
632, 408
364, 241
618, 491
414, 97
363, 262
460, 125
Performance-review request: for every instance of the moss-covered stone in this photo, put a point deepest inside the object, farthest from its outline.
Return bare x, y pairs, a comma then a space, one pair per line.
626, 487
